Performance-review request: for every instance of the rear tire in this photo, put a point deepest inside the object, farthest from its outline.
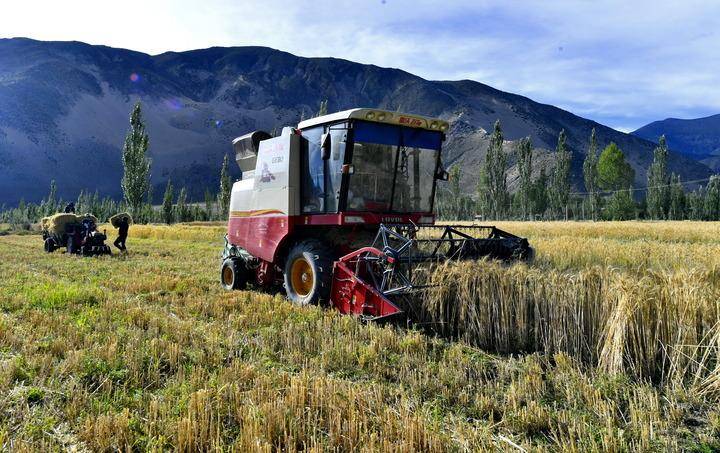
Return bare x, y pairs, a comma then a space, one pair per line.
308, 273
233, 274
49, 245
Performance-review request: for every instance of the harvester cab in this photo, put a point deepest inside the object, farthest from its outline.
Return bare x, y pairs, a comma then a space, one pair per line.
340, 211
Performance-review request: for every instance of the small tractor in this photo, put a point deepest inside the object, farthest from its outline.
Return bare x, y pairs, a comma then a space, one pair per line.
339, 211
77, 233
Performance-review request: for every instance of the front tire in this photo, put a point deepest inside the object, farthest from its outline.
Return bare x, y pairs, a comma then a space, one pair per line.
308, 273
233, 275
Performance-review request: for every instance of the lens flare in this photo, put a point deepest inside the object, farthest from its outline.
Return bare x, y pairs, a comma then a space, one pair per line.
134, 77
173, 104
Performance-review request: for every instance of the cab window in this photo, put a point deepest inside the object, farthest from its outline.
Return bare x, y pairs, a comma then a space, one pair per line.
321, 178
312, 175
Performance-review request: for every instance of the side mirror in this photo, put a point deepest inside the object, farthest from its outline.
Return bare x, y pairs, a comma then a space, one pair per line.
442, 175
325, 145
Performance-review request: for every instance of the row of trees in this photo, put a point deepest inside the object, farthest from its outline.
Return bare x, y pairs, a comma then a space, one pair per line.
608, 178
548, 195
175, 208
137, 191
542, 194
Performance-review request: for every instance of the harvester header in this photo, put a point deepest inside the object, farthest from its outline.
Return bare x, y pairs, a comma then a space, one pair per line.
340, 210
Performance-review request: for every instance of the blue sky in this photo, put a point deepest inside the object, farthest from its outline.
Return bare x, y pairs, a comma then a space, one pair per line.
621, 63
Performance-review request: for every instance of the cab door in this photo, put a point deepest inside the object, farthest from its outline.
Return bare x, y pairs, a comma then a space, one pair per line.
321, 168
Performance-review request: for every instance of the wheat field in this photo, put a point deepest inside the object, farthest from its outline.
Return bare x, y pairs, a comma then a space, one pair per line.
607, 342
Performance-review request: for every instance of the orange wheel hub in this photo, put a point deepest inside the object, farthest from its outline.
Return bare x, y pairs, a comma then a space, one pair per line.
302, 278
227, 276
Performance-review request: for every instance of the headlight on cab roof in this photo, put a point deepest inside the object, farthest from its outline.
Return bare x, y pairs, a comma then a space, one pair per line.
370, 115
434, 125
443, 127
381, 117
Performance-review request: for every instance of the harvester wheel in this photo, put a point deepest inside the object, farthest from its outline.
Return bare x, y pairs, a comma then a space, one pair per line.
49, 245
308, 273
233, 275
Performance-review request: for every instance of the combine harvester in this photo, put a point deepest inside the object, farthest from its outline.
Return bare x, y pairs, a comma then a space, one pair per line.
340, 211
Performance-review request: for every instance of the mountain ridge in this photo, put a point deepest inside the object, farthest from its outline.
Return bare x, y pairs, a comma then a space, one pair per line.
64, 108
697, 138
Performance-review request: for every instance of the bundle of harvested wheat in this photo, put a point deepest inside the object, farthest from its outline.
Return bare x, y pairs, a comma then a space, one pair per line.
87, 216
115, 220
57, 223
45, 223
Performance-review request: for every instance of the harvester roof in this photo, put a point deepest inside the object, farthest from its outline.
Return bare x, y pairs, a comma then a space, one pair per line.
379, 116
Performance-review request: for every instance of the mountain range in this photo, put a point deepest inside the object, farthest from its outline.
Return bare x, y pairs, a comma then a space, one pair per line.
64, 110
698, 138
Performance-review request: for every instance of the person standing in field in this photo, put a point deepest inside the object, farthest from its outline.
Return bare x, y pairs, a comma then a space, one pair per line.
123, 225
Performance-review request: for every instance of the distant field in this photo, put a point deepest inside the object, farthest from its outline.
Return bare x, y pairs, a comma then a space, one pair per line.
145, 351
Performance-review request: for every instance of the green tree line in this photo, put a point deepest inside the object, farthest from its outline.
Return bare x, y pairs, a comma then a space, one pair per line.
137, 192
541, 193
547, 194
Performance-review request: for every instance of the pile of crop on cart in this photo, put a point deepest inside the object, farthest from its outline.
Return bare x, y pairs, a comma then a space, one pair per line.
76, 232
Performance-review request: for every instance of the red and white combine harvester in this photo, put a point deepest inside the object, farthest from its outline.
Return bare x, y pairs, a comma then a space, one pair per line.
340, 211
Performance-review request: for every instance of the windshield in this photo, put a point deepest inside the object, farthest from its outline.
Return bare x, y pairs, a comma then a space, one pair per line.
394, 168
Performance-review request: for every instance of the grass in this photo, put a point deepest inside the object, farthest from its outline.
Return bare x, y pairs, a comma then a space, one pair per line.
146, 352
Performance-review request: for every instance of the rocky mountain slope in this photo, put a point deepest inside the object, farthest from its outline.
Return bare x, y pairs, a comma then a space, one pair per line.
698, 138
64, 110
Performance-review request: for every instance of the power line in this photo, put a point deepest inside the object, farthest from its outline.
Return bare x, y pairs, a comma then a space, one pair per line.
639, 189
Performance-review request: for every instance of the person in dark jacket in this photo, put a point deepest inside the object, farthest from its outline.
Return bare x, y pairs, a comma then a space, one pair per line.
123, 226
70, 208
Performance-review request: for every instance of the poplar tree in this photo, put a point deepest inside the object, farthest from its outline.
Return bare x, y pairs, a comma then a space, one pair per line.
182, 208
455, 174
168, 203
323, 109
51, 202
525, 171
677, 199
539, 193
495, 167
658, 193
208, 204
483, 199
560, 184
712, 199
225, 188
136, 164
590, 174
695, 204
